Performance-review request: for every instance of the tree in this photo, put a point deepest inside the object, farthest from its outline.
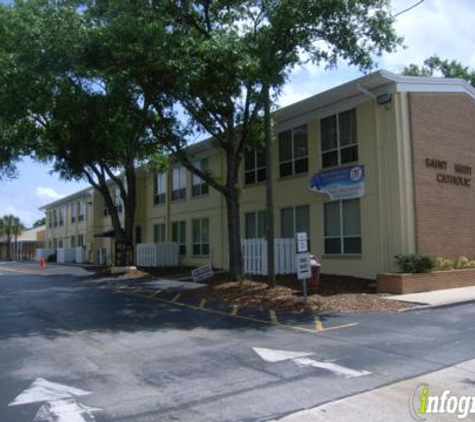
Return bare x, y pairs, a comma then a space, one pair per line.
40, 222
77, 104
435, 66
232, 55
16, 229
7, 225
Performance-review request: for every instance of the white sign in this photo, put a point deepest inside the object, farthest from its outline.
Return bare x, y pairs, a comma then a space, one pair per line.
301, 359
61, 405
202, 273
302, 244
304, 270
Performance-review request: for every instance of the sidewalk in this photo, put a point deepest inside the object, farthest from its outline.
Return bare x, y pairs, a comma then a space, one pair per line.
391, 403
439, 297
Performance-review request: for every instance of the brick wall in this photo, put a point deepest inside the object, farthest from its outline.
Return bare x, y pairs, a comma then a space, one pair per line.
443, 130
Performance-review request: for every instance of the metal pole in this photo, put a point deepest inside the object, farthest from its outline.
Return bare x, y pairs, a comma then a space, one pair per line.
305, 295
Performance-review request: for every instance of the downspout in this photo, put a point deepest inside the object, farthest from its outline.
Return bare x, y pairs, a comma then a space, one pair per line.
383, 257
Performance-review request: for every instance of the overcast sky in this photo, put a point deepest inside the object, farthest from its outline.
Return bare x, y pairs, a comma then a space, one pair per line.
445, 28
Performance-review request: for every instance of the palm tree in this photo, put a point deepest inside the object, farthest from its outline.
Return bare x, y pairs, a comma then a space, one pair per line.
7, 230
17, 230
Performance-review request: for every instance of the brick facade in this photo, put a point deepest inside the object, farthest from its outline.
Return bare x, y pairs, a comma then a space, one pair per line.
443, 141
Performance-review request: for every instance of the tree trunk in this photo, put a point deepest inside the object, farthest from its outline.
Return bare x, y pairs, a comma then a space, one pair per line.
232, 208
269, 191
9, 247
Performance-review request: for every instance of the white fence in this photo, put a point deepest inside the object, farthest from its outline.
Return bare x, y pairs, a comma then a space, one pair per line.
254, 252
63, 255
157, 254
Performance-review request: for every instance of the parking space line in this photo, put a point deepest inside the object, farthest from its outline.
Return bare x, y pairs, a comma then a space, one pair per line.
177, 296
154, 294
234, 310
202, 303
273, 317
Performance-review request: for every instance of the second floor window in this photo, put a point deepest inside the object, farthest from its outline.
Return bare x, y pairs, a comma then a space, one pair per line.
293, 151
339, 139
199, 186
160, 188
73, 208
82, 210
178, 183
255, 166
61, 216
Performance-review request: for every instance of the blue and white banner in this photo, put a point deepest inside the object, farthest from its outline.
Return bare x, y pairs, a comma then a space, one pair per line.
342, 183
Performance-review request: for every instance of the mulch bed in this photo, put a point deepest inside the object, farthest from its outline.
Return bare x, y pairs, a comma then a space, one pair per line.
335, 294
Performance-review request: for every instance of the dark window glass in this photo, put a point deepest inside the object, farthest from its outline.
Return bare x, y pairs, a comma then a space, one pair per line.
328, 133
285, 169
333, 246
347, 126
352, 245
349, 154
330, 159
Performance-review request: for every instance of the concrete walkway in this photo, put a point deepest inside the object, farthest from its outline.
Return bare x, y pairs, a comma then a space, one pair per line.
439, 297
391, 403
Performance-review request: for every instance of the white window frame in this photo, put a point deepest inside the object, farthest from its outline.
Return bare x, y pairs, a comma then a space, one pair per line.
159, 228
199, 187
181, 245
256, 224
293, 159
201, 242
160, 189
342, 236
338, 148
81, 210
178, 183
255, 169
73, 208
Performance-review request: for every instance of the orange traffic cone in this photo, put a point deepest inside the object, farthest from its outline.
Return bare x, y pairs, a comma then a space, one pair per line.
42, 262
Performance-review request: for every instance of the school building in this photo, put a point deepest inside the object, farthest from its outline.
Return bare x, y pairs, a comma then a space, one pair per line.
376, 167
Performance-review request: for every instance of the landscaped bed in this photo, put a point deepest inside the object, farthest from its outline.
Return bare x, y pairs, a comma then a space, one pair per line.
335, 294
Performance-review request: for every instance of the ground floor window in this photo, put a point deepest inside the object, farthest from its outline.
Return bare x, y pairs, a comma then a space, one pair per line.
342, 227
255, 225
295, 220
73, 241
138, 234
201, 236
159, 233
179, 235
80, 240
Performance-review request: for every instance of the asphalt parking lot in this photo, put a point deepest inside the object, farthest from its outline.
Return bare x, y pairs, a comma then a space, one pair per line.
129, 356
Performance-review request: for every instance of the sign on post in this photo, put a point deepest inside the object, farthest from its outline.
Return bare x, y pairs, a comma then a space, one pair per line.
304, 270
302, 244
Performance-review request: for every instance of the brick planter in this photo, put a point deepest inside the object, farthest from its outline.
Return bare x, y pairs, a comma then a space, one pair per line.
425, 282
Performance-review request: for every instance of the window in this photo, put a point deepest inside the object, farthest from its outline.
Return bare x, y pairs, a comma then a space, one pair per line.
293, 152
61, 217
254, 166
60, 243
201, 236
294, 220
178, 183
81, 240
199, 187
160, 188
73, 241
50, 219
339, 140
138, 234
179, 235
159, 233
342, 227
73, 208
82, 210
255, 223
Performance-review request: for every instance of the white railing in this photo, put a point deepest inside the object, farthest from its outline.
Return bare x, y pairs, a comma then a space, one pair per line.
254, 252
66, 255
157, 255
44, 252
79, 255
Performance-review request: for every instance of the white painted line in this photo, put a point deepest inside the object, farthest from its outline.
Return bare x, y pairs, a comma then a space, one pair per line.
65, 410
300, 359
43, 390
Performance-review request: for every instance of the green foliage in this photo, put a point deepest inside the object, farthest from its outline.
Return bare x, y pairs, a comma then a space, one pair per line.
52, 258
462, 262
435, 66
443, 264
40, 222
413, 263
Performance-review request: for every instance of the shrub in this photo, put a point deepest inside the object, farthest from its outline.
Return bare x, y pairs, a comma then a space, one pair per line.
413, 263
444, 264
462, 262
51, 258
471, 264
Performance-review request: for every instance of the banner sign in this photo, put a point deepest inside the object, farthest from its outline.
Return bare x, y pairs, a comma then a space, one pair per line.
342, 183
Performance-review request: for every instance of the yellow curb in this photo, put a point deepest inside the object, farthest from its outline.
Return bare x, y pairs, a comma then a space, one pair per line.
273, 317
202, 303
154, 294
234, 310
318, 324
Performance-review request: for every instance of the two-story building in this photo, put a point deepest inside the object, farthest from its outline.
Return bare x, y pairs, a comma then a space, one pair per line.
410, 142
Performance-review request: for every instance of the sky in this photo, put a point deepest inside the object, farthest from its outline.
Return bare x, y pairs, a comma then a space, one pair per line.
436, 27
